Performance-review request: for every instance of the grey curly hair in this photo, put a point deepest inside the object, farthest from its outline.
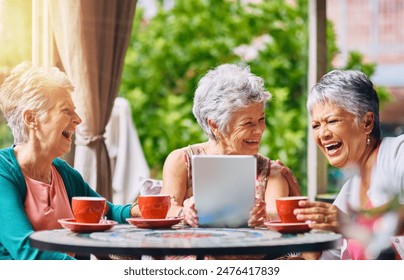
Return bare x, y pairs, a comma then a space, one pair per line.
224, 90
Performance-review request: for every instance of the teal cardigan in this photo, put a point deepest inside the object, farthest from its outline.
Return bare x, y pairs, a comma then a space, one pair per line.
15, 227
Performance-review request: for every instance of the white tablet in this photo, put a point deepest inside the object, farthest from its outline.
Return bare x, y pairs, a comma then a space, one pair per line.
224, 189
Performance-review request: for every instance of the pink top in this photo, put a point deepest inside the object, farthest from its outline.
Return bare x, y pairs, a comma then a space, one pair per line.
46, 203
355, 249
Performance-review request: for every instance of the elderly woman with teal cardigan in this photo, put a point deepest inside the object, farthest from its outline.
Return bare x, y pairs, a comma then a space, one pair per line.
37, 186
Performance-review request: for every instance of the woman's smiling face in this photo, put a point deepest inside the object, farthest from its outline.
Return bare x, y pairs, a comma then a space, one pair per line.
338, 134
244, 131
56, 131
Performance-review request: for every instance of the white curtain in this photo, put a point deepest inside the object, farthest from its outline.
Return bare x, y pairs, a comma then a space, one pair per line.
91, 38
128, 163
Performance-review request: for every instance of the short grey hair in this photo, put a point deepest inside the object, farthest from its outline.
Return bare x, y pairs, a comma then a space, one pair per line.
352, 91
224, 90
27, 88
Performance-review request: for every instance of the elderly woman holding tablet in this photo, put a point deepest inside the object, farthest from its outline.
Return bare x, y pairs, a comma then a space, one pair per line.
229, 105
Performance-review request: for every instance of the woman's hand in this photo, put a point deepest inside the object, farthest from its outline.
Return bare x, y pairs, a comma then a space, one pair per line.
190, 216
257, 214
324, 216
135, 211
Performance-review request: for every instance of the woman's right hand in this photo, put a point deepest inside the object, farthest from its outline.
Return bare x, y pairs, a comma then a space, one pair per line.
190, 216
324, 216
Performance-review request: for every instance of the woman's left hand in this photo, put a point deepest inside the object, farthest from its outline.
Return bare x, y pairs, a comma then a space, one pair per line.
324, 216
190, 216
257, 214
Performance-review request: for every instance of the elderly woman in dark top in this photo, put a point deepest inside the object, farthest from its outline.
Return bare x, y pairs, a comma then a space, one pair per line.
344, 110
36, 186
229, 105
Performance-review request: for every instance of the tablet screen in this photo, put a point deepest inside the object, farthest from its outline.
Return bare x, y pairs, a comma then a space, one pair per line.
223, 189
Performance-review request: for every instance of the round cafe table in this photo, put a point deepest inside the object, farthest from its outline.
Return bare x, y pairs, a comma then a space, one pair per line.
129, 240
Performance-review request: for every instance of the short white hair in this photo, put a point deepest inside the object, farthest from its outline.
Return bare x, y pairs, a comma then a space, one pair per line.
27, 88
224, 90
352, 91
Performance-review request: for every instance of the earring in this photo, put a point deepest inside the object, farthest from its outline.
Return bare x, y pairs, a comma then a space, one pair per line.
368, 140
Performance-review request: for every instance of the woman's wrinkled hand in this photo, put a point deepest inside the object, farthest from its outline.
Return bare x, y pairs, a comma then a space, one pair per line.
190, 216
257, 214
323, 216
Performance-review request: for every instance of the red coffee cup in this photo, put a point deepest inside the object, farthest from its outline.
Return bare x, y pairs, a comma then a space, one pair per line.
285, 207
154, 206
88, 209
